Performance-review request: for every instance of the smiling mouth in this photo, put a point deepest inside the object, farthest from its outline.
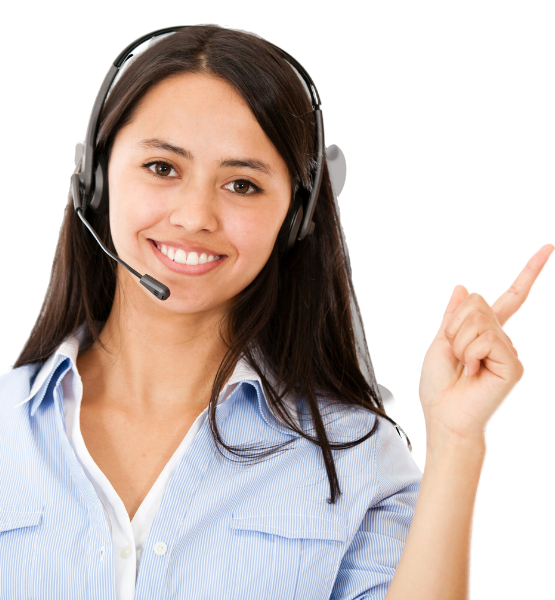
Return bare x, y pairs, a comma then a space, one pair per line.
182, 257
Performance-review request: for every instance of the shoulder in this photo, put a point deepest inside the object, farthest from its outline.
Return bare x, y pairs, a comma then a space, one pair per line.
384, 456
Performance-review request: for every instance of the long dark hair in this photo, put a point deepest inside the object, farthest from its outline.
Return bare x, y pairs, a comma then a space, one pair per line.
297, 315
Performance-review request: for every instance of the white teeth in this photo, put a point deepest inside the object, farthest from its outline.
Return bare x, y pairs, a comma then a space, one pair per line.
180, 256
192, 258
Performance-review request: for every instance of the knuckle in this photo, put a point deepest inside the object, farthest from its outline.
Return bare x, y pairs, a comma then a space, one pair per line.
490, 335
519, 370
475, 298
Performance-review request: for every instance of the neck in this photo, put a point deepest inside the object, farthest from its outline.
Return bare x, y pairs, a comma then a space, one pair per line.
155, 362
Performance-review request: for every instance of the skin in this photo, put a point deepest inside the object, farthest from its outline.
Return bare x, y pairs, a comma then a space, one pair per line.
162, 357
459, 406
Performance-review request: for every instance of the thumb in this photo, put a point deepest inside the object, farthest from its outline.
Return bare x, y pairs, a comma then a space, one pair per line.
458, 295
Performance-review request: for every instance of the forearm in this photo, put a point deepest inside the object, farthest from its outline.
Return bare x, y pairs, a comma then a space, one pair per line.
435, 561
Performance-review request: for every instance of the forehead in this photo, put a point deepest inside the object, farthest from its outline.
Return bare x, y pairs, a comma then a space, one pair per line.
201, 93
202, 112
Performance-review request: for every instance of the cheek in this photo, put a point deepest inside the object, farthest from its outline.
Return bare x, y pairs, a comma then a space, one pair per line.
254, 234
132, 209
121, 215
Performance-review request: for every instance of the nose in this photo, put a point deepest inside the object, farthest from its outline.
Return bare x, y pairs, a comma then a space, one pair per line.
196, 206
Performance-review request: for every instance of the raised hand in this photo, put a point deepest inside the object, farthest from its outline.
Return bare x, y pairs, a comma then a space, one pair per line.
471, 334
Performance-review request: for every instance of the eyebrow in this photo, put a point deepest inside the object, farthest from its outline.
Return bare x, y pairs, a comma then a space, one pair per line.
249, 163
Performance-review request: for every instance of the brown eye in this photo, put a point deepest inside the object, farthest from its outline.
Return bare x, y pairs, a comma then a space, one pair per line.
161, 169
243, 187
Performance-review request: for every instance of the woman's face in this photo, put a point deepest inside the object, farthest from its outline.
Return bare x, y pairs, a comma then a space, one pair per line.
195, 172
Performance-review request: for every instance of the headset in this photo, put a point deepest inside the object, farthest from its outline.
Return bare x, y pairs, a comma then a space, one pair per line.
89, 184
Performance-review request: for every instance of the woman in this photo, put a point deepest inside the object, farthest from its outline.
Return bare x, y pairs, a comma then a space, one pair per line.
224, 441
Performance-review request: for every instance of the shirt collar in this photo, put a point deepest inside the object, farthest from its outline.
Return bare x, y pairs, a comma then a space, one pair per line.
69, 349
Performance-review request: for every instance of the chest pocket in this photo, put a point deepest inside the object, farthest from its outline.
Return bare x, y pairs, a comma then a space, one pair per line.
18, 536
289, 554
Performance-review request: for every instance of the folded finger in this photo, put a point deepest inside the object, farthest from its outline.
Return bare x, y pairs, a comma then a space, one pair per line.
476, 323
473, 303
492, 351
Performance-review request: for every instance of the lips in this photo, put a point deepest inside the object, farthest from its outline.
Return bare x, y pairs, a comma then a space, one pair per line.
189, 247
199, 269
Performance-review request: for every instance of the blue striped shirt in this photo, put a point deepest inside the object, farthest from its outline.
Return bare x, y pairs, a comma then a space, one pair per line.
223, 529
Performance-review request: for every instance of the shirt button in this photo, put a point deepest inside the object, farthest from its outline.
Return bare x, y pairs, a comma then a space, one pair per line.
126, 552
160, 548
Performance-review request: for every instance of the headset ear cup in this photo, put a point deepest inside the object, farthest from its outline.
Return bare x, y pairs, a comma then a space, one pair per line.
100, 195
99, 200
291, 225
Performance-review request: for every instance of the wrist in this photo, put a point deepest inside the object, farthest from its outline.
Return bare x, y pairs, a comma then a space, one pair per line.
439, 436
453, 447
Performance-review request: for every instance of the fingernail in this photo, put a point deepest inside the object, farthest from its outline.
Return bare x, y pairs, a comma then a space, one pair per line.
466, 370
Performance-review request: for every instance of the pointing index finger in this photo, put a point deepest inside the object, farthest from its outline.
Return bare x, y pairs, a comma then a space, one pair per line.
509, 302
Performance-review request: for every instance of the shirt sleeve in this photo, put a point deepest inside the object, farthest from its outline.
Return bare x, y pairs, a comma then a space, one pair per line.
370, 560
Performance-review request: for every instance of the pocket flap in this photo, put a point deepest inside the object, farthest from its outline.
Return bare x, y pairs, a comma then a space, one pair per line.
293, 525
15, 519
